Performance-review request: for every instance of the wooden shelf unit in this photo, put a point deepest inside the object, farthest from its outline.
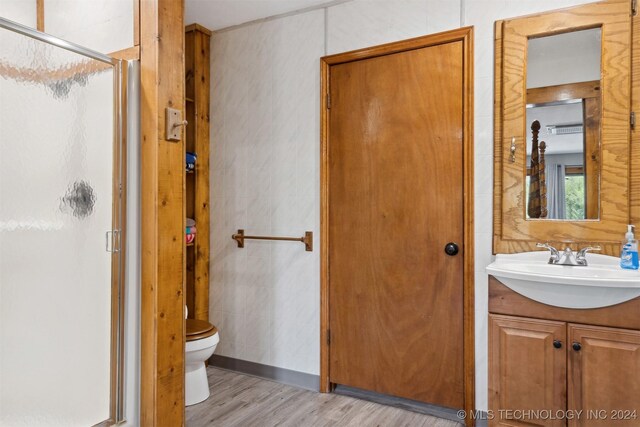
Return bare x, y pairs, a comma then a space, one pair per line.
197, 86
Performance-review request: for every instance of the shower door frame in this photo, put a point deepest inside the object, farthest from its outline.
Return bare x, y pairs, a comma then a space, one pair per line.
116, 244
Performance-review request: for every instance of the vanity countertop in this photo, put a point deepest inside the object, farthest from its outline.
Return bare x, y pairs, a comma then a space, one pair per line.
602, 283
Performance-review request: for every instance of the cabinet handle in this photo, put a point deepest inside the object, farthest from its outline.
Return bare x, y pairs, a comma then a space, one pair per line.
576, 346
557, 344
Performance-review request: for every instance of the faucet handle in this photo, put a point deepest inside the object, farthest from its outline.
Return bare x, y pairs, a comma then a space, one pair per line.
547, 246
583, 252
581, 258
555, 255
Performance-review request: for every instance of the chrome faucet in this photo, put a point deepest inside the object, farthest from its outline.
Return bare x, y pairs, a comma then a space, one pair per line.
555, 255
568, 257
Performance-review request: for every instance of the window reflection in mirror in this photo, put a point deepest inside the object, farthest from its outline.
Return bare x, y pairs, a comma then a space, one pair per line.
563, 126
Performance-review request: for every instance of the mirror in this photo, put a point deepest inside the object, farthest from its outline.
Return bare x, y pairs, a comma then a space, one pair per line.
563, 117
562, 96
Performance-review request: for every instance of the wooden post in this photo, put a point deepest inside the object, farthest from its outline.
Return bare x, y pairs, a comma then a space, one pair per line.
542, 181
40, 15
162, 180
197, 88
533, 209
635, 132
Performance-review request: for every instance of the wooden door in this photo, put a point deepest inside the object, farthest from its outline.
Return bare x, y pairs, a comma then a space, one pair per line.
527, 369
395, 200
604, 376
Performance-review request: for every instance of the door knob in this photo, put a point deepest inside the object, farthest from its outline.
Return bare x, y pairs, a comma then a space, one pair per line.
576, 346
451, 249
557, 344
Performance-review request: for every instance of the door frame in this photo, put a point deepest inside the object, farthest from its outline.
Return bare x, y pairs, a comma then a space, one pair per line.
466, 36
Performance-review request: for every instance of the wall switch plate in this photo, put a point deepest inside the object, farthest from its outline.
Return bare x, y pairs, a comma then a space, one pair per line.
174, 123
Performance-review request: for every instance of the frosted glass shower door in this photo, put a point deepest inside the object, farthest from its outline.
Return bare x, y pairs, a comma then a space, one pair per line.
57, 169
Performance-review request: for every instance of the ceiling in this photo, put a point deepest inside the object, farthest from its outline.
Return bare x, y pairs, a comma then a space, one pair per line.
557, 115
218, 14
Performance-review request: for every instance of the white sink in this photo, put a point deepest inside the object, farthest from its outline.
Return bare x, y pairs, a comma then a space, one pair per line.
600, 284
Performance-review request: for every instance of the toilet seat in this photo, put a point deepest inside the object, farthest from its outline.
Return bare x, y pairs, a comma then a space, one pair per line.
202, 339
199, 329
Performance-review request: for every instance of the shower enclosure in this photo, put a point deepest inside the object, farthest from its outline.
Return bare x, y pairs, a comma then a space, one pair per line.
61, 231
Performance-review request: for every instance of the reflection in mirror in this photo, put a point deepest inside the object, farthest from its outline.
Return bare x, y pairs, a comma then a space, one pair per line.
563, 126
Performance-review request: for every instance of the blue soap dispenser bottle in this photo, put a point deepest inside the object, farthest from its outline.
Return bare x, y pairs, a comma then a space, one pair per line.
629, 254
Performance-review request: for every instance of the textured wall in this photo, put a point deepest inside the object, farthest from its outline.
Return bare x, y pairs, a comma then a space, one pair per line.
20, 11
362, 23
265, 164
102, 25
87, 22
265, 179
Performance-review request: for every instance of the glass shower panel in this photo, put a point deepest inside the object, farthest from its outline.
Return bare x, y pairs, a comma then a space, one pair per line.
56, 202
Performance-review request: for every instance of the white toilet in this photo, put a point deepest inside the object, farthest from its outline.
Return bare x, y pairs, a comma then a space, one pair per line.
202, 339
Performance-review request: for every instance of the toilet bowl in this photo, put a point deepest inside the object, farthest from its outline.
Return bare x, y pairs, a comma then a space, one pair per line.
202, 339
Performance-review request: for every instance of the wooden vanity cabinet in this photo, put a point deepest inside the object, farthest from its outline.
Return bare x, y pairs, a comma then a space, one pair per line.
527, 368
604, 375
557, 365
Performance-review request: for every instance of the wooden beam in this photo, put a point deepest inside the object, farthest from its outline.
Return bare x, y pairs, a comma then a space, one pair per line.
635, 132
40, 15
592, 112
85, 67
128, 54
162, 180
565, 92
198, 27
136, 22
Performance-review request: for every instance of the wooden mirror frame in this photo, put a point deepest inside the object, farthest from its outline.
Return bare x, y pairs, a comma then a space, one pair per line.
512, 231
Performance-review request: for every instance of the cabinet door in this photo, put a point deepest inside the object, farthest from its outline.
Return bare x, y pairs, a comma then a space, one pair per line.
527, 370
604, 376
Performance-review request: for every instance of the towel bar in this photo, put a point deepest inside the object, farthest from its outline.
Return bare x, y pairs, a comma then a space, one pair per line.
307, 239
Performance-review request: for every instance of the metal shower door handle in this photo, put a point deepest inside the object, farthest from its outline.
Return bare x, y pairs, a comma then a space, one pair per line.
112, 241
